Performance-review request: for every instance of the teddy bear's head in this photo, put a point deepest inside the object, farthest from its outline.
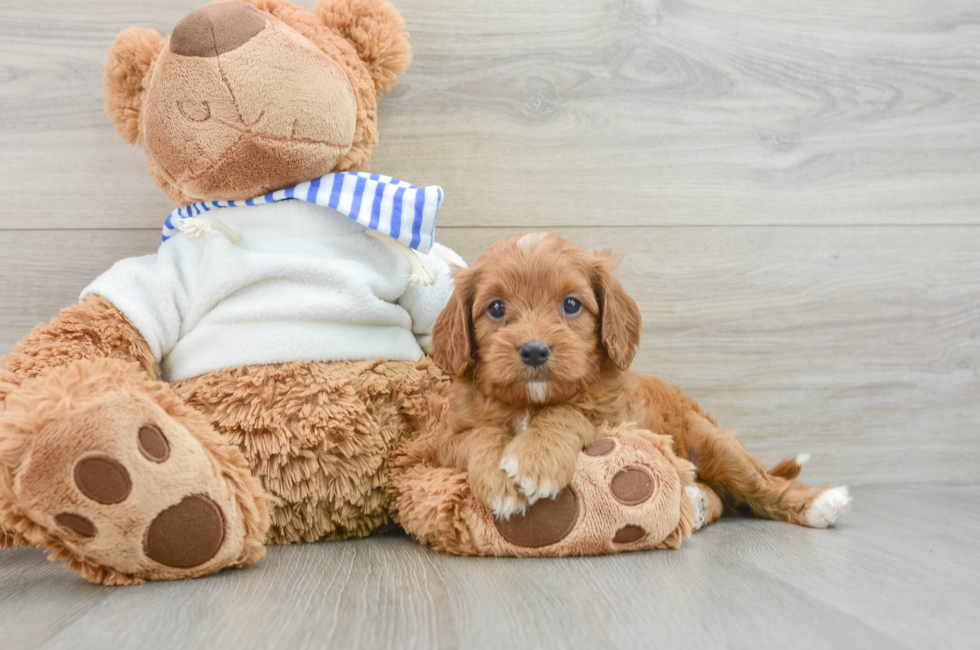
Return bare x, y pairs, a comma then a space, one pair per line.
250, 96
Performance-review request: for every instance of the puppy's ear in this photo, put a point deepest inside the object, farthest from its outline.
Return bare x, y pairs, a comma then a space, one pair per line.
129, 61
619, 317
452, 335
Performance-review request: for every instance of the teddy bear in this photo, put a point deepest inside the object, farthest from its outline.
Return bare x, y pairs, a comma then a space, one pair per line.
263, 378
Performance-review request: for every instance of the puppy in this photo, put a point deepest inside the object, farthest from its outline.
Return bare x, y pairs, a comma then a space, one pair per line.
540, 336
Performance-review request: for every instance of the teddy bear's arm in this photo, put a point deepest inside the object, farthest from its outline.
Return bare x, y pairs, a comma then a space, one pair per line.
153, 292
92, 329
424, 303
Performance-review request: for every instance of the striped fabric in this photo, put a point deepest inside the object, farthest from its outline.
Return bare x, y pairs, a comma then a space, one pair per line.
390, 206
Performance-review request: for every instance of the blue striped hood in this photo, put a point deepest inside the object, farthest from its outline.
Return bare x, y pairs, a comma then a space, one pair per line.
395, 208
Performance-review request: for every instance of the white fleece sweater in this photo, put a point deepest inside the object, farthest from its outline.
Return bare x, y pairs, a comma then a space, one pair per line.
304, 284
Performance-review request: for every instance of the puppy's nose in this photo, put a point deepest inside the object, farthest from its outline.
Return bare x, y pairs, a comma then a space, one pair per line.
535, 353
216, 29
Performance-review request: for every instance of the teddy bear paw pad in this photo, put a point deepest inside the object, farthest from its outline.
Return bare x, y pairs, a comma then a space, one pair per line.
628, 534
545, 522
186, 535
602, 447
103, 479
77, 523
153, 444
632, 486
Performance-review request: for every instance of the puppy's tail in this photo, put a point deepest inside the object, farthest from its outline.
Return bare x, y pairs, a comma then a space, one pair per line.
790, 467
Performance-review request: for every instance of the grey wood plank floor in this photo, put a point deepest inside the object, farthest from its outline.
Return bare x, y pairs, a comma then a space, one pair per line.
794, 188
901, 573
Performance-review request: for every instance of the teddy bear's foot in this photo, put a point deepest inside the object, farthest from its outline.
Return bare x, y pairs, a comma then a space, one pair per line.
112, 472
627, 494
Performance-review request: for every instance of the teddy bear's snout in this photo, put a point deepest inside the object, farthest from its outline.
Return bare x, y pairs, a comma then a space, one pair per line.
216, 29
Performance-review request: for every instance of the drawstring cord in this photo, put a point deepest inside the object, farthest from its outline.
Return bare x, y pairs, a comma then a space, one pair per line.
199, 229
421, 274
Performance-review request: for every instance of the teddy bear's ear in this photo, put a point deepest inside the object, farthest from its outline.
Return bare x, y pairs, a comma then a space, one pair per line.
378, 33
130, 58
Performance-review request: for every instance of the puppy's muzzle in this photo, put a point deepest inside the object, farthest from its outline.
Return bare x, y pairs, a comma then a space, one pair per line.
535, 353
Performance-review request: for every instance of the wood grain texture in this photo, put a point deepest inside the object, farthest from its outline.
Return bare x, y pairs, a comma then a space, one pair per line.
875, 582
573, 112
794, 188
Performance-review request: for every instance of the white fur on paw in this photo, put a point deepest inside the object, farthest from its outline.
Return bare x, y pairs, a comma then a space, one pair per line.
803, 459
528, 486
700, 501
506, 506
828, 507
533, 491
509, 465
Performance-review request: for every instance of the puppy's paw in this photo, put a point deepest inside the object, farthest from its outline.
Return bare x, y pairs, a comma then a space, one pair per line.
700, 501
539, 471
496, 489
828, 507
526, 484
506, 506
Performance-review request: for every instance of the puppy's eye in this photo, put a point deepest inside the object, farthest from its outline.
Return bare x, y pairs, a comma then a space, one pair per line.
571, 306
496, 310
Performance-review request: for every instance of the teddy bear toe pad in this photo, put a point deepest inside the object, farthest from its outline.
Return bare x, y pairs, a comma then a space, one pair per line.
545, 522
78, 524
103, 480
186, 535
153, 444
124, 485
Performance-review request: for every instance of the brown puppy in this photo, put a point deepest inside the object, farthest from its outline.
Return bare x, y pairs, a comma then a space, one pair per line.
540, 337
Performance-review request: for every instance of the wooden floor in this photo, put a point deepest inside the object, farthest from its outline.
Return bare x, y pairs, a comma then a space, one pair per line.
794, 187
902, 573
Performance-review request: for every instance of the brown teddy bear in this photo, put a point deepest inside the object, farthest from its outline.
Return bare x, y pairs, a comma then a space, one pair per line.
261, 379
